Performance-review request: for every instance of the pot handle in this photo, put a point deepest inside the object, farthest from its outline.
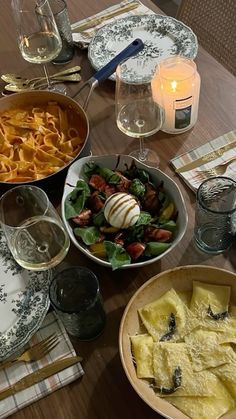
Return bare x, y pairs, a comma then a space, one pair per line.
106, 71
132, 49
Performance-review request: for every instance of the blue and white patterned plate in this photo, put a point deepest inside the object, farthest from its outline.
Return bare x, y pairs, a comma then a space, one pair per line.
163, 36
24, 302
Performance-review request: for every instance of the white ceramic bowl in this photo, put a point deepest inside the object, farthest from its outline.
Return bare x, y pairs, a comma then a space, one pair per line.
120, 162
181, 279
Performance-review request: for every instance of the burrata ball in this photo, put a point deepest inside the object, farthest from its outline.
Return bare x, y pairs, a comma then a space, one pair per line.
121, 210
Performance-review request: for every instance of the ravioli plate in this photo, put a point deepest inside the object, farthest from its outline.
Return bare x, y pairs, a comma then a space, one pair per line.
24, 302
181, 279
163, 36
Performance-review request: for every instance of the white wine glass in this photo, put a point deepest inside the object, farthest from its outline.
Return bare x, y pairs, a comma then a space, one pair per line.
138, 115
38, 37
35, 233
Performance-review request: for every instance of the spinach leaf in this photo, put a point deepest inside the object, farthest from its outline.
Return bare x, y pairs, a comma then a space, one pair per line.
90, 168
75, 201
137, 188
135, 233
110, 177
169, 225
156, 248
116, 255
144, 218
99, 219
89, 235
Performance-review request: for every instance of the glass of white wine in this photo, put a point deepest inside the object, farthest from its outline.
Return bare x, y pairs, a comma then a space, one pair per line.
38, 36
138, 115
34, 231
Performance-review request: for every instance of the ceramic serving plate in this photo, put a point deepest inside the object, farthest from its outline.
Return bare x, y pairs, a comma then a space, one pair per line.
180, 279
121, 162
24, 302
162, 36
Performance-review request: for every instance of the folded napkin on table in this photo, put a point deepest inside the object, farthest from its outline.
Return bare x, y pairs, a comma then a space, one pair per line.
220, 150
84, 41
14, 373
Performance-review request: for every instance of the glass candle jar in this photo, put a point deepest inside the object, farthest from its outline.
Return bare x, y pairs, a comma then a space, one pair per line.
177, 83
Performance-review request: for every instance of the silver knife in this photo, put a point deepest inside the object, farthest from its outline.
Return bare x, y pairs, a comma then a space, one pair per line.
39, 375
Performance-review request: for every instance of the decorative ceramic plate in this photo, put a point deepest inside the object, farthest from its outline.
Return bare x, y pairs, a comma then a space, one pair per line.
181, 279
24, 302
162, 36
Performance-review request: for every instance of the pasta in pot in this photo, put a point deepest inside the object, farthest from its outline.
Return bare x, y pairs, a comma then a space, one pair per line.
36, 142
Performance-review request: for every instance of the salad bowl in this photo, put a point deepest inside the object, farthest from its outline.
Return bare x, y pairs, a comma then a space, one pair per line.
78, 172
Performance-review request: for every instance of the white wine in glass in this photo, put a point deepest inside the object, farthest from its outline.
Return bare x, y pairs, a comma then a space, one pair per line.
137, 113
38, 37
34, 231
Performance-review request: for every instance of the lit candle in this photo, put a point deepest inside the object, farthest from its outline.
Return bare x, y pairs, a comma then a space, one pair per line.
176, 85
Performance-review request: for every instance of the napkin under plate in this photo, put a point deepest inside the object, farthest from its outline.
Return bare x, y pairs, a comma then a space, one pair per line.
84, 41
14, 373
215, 152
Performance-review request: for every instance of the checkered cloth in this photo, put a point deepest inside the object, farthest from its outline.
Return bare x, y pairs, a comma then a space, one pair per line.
83, 42
14, 373
207, 156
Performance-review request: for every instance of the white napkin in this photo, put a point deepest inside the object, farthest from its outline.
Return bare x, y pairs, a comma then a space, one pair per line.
207, 156
14, 373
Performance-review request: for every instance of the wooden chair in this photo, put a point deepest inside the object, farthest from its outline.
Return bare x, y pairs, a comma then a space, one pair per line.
214, 23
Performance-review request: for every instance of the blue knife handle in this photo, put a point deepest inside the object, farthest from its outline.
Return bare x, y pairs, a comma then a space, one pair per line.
132, 49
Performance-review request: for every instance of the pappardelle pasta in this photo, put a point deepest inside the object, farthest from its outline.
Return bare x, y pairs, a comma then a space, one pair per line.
36, 142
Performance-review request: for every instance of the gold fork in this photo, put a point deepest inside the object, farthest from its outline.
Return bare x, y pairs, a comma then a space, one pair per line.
36, 352
218, 170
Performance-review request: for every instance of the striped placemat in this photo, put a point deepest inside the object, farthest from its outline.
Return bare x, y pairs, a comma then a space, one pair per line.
17, 371
83, 41
190, 165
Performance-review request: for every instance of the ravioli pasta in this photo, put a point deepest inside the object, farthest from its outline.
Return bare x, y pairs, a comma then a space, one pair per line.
36, 142
186, 349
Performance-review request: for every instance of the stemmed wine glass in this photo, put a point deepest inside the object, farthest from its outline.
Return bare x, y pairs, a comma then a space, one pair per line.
138, 115
38, 37
34, 232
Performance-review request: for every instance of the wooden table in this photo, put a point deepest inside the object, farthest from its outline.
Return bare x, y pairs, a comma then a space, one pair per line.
104, 392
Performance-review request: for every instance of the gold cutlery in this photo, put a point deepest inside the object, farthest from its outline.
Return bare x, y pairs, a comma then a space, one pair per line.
36, 352
206, 158
15, 78
100, 19
39, 375
218, 170
39, 84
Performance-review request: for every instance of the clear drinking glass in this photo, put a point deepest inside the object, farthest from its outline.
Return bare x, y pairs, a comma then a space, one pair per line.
38, 37
75, 296
215, 217
137, 113
34, 231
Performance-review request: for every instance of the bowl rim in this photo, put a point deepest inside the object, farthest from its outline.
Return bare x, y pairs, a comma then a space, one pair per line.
175, 412
118, 157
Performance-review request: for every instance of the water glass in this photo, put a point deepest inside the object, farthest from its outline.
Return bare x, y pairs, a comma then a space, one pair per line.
75, 296
60, 13
215, 218
34, 231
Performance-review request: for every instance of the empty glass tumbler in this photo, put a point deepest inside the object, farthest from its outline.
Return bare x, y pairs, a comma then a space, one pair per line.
75, 296
215, 218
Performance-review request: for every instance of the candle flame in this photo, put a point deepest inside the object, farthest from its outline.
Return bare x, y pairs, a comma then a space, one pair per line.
174, 85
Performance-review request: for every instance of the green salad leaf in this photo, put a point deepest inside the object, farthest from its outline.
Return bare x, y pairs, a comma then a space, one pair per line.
137, 188
156, 248
89, 235
116, 254
75, 201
